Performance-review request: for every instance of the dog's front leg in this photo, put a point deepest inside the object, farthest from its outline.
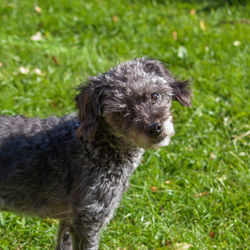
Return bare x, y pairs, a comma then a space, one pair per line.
64, 241
85, 235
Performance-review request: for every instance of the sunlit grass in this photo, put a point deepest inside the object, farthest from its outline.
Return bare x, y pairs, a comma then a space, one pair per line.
193, 192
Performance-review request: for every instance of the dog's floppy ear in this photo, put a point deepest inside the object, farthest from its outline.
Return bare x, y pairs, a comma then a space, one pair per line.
182, 92
89, 105
181, 89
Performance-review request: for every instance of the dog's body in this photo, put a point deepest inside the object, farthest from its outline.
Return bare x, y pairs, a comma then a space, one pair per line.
76, 168
47, 171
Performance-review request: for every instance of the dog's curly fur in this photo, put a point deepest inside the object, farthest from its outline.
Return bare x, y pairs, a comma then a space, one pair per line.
76, 168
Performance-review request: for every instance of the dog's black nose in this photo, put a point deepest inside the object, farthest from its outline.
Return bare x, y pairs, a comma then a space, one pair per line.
154, 129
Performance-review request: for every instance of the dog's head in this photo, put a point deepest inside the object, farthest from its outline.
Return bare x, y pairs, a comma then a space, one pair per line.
134, 100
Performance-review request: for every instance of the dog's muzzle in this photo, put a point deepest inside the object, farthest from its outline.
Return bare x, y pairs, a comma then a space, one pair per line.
154, 130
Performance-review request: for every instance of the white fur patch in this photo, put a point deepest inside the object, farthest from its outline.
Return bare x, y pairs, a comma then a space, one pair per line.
168, 129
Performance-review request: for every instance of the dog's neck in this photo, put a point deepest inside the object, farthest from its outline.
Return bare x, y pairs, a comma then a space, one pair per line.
111, 144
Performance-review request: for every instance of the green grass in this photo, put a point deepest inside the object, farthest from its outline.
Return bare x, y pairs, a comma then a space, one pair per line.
209, 153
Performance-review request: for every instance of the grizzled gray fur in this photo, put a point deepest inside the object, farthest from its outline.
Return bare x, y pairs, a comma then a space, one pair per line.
75, 168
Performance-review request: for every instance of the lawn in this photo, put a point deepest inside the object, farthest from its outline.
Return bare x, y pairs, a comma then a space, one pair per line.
193, 193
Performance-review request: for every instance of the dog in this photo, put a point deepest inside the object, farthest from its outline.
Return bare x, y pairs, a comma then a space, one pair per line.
76, 168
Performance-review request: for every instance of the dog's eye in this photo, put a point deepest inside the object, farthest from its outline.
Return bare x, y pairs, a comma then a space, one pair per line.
155, 96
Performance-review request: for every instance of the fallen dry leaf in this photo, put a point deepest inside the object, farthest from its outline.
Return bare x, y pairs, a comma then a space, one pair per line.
168, 243
182, 52
37, 36
175, 35
114, 18
24, 71
241, 136
212, 234
38, 9
154, 189
55, 60
54, 105
202, 194
168, 182
192, 12
212, 156
38, 72
181, 246
222, 178
202, 25
236, 43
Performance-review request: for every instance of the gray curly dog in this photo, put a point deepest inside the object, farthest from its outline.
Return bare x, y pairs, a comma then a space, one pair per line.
75, 168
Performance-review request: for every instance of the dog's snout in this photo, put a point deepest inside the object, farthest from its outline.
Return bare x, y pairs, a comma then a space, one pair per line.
154, 129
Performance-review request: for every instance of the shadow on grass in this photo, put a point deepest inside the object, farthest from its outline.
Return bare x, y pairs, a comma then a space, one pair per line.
206, 6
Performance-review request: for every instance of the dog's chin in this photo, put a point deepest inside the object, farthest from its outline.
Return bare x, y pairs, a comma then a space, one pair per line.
162, 143
148, 143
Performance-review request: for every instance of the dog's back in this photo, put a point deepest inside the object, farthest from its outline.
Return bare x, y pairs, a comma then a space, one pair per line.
25, 140
33, 153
